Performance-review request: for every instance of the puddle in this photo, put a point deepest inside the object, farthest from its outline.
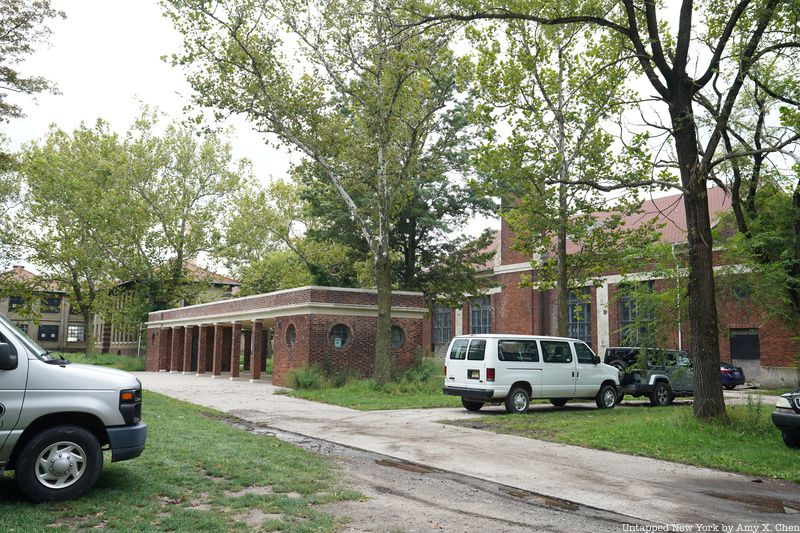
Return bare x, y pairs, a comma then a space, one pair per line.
544, 500
418, 469
763, 504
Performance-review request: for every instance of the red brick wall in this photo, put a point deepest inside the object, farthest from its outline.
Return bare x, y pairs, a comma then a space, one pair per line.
508, 255
512, 309
152, 353
357, 356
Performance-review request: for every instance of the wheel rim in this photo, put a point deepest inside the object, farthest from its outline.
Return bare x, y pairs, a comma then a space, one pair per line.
60, 465
609, 398
520, 401
662, 394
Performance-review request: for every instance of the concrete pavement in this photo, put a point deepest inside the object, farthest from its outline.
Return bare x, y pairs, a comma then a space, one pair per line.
642, 488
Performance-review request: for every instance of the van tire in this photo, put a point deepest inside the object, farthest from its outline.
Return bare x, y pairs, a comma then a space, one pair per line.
559, 402
661, 395
518, 400
606, 397
84, 455
470, 405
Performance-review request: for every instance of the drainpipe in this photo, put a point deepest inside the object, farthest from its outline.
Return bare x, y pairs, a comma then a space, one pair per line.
678, 296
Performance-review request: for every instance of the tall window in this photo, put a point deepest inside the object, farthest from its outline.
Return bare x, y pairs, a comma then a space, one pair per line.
47, 333
76, 333
442, 327
579, 309
635, 323
51, 304
15, 303
479, 316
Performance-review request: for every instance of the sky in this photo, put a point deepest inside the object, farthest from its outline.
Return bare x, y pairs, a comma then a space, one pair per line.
105, 58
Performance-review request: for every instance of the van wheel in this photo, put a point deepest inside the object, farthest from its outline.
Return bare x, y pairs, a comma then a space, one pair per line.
470, 405
606, 397
559, 402
59, 463
518, 400
661, 395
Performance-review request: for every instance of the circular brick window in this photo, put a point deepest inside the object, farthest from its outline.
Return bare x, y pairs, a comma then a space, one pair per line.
398, 337
339, 335
291, 335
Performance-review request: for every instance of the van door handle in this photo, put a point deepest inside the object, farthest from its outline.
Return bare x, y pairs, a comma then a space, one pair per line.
451, 377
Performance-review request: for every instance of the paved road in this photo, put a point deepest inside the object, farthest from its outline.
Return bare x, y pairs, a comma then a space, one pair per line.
644, 489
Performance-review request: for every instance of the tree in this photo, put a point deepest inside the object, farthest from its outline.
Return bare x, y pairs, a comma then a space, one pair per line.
359, 103
23, 25
165, 209
64, 177
269, 225
553, 88
698, 69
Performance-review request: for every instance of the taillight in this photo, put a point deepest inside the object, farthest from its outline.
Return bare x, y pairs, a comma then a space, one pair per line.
726, 370
490, 374
445, 370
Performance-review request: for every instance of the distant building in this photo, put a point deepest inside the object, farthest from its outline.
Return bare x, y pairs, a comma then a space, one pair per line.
763, 345
59, 326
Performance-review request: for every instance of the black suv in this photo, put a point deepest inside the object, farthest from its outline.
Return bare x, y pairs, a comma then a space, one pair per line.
786, 417
659, 374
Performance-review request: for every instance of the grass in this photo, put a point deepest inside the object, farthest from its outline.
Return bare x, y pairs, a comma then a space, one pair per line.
130, 363
184, 479
747, 443
420, 387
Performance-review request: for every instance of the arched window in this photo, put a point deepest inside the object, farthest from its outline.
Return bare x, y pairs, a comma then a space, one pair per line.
339, 335
291, 335
398, 337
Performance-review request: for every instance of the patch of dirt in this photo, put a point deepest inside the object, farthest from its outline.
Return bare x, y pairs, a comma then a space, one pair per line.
256, 517
760, 504
255, 490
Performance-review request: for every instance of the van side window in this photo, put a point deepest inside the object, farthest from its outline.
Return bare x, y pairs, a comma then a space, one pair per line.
556, 352
585, 354
477, 350
525, 351
459, 350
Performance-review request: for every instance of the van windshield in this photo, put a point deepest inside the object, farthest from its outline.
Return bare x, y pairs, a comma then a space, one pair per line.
37, 350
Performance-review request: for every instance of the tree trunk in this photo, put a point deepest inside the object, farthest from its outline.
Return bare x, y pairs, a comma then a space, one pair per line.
384, 359
88, 334
562, 287
708, 400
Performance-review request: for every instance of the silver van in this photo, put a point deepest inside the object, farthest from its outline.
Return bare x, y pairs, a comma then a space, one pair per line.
56, 418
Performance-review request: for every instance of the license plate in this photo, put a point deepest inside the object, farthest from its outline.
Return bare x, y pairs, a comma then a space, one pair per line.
474, 374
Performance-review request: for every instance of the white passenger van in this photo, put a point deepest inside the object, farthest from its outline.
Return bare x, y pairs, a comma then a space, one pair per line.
515, 368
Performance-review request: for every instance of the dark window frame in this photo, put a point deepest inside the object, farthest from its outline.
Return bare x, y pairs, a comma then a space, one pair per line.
48, 329
480, 315
579, 310
442, 324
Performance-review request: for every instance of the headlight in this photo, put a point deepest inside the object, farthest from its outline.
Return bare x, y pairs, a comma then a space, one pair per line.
783, 403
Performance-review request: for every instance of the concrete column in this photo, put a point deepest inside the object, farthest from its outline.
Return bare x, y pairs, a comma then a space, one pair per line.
219, 335
202, 349
176, 355
459, 322
248, 344
602, 319
164, 348
236, 349
188, 337
258, 350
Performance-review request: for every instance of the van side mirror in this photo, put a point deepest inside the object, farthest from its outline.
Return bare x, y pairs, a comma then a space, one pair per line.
597, 359
7, 360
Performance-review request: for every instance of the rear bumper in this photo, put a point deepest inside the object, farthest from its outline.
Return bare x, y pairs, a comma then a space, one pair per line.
127, 442
732, 381
477, 394
787, 422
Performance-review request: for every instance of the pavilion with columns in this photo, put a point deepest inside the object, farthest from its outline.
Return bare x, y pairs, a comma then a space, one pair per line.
327, 326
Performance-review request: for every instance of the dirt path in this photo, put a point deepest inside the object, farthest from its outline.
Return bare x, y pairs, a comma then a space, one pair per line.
412, 498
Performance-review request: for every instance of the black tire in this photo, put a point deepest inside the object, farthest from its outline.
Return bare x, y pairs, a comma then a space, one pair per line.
471, 405
792, 441
622, 366
559, 402
661, 396
81, 462
606, 397
729, 386
518, 400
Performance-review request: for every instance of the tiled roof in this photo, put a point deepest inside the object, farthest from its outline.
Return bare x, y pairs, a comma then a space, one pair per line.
19, 274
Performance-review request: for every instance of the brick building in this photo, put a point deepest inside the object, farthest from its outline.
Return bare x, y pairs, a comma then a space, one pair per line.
51, 319
326, 326
764, 346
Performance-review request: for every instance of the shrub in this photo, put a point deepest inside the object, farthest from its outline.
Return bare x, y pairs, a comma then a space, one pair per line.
307, 377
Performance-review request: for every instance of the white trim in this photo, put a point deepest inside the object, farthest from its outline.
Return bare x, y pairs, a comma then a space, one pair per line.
287, 291
315, 308
603, 338
459, 321
515, 267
